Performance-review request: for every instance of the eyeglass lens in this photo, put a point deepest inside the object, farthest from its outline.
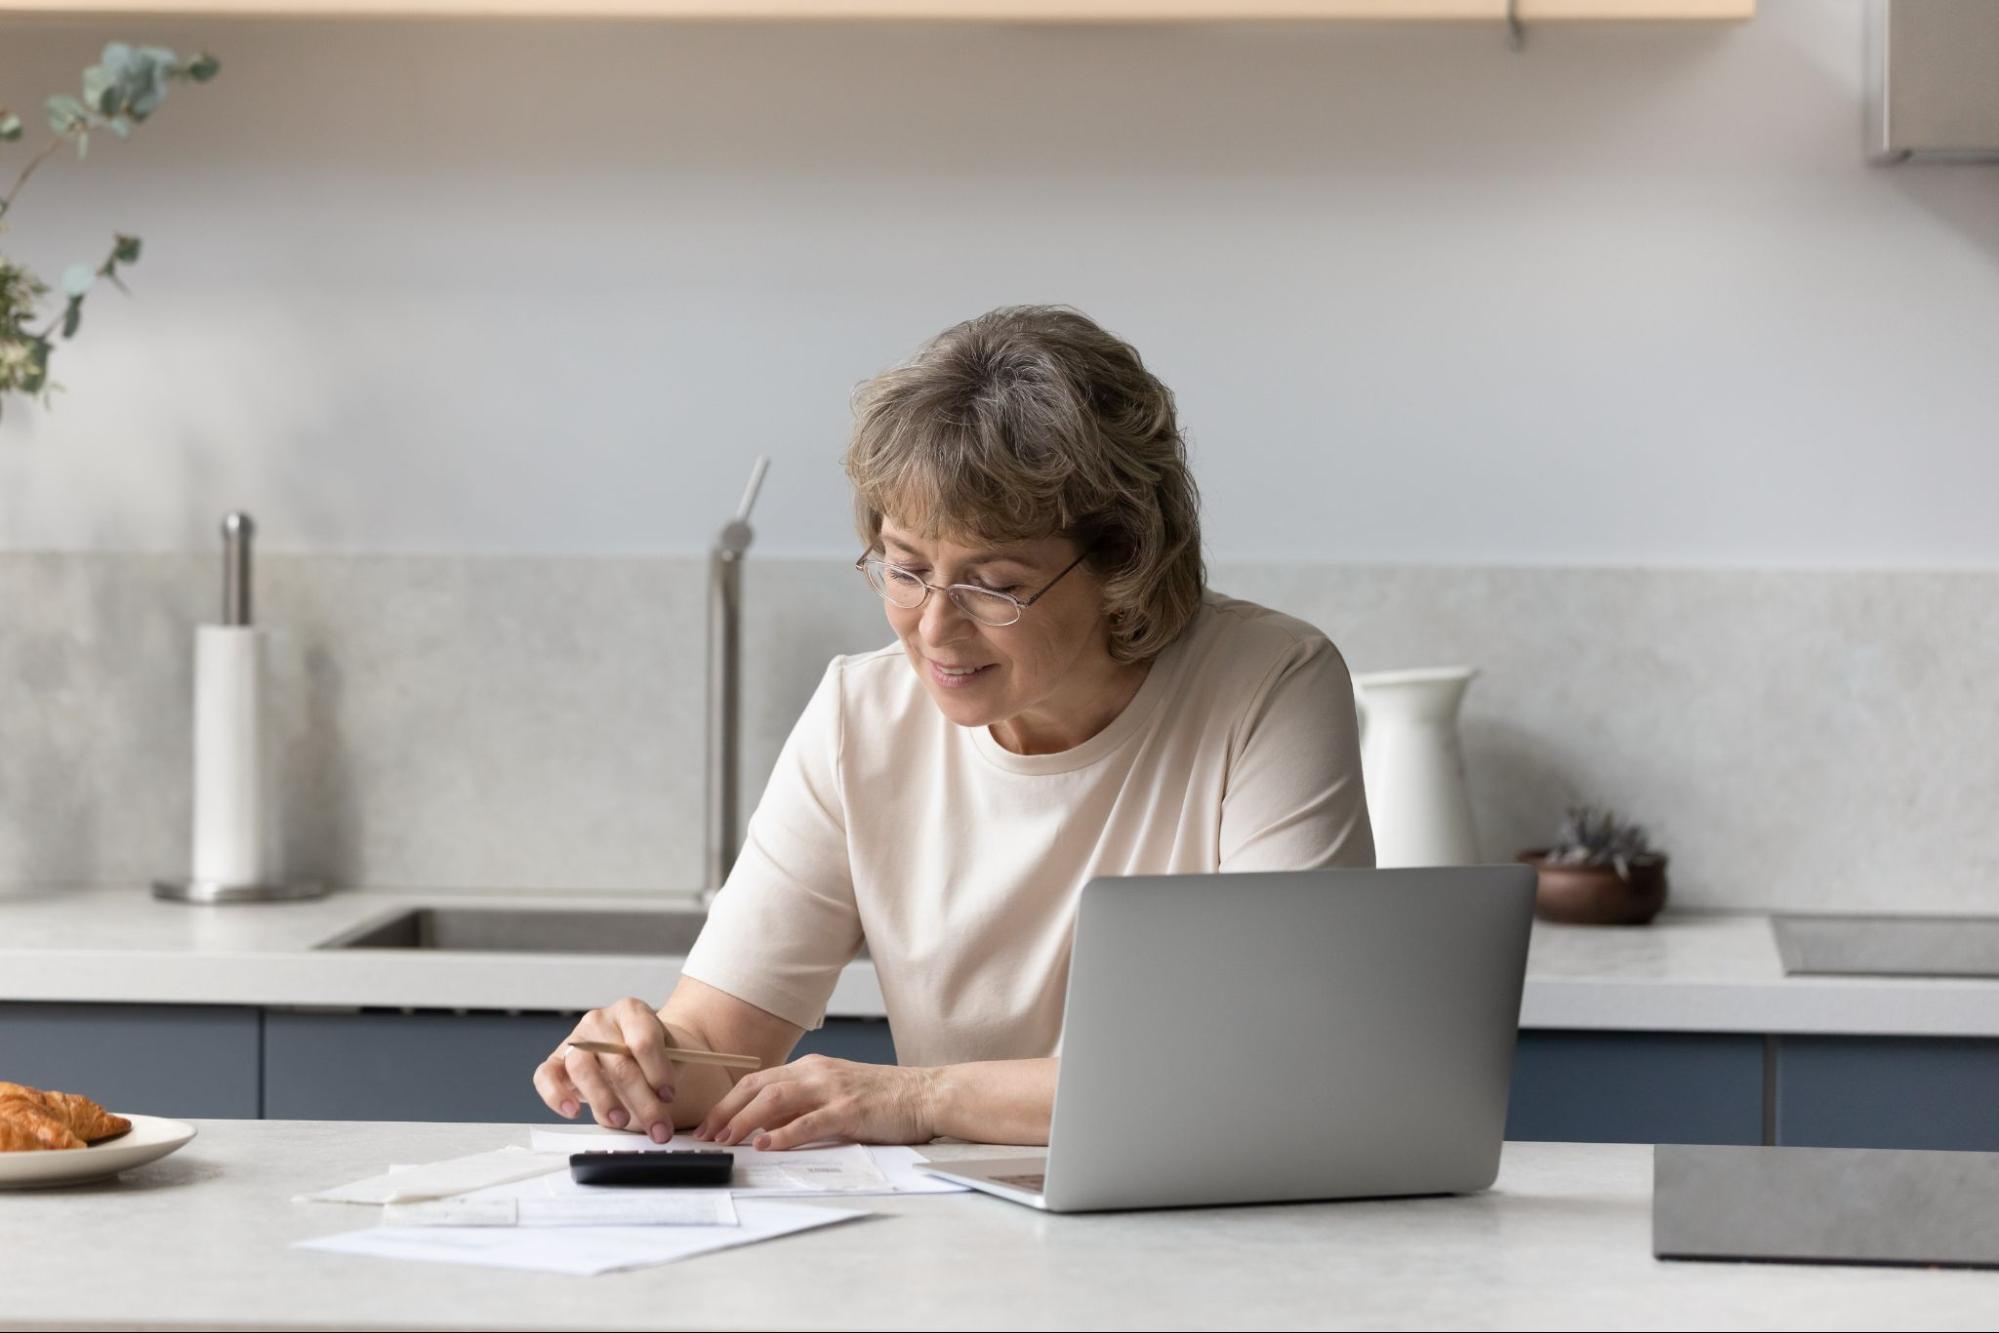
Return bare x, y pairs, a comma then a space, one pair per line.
906, 590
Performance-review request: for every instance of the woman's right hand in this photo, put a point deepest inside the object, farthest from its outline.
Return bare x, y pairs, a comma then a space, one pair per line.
624, 1092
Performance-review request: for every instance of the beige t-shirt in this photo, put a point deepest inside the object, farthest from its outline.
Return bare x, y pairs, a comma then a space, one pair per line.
959, 862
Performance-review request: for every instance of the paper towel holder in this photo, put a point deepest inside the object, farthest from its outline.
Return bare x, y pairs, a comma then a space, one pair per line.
237, 530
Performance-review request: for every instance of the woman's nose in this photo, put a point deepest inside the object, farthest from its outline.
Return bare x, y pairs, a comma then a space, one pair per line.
942, 619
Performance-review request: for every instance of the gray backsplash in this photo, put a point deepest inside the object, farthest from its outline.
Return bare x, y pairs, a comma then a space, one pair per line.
1795, 739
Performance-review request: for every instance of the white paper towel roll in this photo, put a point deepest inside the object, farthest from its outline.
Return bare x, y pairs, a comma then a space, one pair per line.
228, 778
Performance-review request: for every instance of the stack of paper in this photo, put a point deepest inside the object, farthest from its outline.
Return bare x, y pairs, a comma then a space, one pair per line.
519, 1207
579, 1250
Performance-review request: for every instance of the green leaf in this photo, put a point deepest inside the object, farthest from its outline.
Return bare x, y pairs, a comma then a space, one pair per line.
203, 67
130, 82
147, 98
72, 316
101, 90
120, 126
146, 81
66, 114
10, 126
77, 278
82, 145
126, 249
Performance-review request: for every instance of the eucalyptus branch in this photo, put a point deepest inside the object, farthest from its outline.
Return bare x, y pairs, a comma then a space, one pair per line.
124, 250
8, 201
120, 91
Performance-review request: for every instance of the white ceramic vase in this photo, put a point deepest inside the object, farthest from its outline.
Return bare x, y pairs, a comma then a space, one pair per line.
1414, 767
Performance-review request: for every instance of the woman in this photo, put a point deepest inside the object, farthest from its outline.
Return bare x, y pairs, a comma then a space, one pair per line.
1063, 700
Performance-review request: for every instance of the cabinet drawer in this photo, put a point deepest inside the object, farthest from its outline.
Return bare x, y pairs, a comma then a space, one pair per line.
172, 1060
402, 1066
1888, 1092
1637, 1087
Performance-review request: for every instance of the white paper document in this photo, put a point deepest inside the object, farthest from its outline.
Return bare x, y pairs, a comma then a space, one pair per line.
442, 1180
649, 1208
848, 1168
579, 1250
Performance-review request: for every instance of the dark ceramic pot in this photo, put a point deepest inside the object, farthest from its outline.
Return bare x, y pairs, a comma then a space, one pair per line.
1596, 895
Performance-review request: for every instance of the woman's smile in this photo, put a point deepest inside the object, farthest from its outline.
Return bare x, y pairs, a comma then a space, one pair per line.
958, 677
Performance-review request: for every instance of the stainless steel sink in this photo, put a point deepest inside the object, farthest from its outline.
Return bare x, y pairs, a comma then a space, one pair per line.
527, 930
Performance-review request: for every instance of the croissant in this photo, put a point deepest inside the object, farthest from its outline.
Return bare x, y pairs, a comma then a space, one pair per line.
87, 1120
27, 1125
32, 1118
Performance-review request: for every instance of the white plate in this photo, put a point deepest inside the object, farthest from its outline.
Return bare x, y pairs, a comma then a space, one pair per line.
149, 1139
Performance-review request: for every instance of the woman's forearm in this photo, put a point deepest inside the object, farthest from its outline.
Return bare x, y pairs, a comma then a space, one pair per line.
993, 1101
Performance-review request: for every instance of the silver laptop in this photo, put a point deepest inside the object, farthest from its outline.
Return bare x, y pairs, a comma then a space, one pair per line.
1250, 1038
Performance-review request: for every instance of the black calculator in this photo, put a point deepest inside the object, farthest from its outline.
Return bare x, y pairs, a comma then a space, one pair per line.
667, 1167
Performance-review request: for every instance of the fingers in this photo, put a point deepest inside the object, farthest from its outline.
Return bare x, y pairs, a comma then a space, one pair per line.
641, 1084
624, 1092
778, 1104
733, 1101
606, 1107
551, 1080
645, 1038
823, 1123
617, 1093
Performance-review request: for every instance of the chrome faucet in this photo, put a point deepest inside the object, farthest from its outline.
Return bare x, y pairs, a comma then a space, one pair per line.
725, 687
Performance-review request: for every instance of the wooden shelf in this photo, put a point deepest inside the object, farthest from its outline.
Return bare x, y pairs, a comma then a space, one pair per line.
975, 11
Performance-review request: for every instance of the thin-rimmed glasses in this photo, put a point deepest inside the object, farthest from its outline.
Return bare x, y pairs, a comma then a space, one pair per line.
989, 606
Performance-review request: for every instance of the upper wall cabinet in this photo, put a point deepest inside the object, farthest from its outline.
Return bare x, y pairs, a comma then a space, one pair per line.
983, 11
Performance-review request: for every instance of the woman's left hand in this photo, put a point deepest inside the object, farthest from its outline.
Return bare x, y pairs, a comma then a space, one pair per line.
815, 1098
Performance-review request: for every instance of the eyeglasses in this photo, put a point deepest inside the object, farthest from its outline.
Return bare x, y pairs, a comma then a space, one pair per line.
988, 606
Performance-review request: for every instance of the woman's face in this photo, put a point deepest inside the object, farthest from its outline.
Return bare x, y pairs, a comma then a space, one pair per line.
1047, 668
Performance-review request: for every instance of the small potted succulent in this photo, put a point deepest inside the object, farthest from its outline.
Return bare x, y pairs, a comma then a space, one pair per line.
1598, 872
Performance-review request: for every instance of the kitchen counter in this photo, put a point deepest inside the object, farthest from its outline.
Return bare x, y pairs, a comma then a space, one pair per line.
1563, 1240
121, 945
1684, 973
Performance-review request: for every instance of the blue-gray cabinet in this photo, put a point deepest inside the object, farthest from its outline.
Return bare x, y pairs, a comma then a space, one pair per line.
1886, 1092
396, 1066
1637, 1087
240, 1062
162, 1059
376, 1065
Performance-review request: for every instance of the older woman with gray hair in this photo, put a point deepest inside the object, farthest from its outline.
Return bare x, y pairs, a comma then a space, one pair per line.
1064, 699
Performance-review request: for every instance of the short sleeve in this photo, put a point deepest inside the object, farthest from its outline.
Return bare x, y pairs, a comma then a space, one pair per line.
1294, 799
785, 922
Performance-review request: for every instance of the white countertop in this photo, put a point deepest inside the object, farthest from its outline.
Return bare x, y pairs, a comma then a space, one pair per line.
1562, 1240
1682, 973
121, 945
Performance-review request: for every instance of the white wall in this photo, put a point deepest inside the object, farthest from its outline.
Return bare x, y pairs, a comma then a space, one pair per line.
1631, 296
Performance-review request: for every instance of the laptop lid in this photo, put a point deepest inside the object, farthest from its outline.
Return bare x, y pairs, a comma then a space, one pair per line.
1288, 1035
